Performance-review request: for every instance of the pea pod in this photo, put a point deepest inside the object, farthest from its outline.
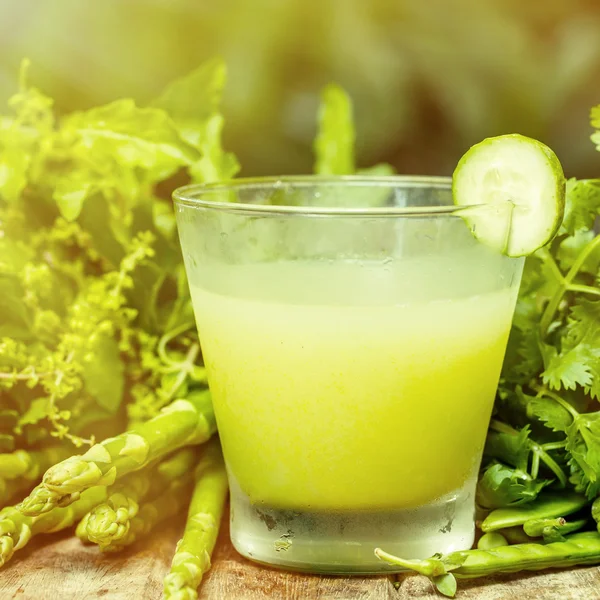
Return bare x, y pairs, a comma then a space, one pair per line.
491, 540
516, 535
536, 527
553, 530
573, 526
578, 549
547, 506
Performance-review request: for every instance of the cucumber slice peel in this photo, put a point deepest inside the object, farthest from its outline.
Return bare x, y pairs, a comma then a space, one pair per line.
516, 188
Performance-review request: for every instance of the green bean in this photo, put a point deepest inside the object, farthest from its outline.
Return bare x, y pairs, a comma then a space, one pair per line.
491, 540
546, 506
578, 549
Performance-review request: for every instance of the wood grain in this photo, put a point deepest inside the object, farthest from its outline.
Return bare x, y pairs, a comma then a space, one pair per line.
60, 567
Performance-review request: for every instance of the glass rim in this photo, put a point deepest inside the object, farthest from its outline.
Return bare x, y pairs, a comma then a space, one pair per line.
192, 195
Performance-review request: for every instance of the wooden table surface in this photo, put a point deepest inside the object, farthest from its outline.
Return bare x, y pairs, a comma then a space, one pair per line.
59, 567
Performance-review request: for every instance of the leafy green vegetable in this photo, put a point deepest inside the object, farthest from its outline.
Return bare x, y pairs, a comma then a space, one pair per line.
546, 427
500, 485
94, 305
583, 204
193, 102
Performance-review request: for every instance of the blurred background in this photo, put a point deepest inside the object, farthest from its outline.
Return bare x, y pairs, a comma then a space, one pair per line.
428, 77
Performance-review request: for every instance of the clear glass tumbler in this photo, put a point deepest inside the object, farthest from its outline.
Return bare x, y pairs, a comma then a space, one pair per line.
353, 330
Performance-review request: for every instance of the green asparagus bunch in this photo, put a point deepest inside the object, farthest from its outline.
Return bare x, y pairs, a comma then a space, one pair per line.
192, 556
110, 521
182, 423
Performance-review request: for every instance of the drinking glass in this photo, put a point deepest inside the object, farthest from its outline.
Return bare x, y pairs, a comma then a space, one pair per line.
353, 331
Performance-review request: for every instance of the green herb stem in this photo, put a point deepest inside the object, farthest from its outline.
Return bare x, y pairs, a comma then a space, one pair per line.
23, 376
566, 284
167, 337
584, 289
501, 427
539, 452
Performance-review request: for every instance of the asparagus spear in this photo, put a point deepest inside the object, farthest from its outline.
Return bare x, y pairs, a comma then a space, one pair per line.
192, 556
181, 423
152, 512
110, 521
16, 529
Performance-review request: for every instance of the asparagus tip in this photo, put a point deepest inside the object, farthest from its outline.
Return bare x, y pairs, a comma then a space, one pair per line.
6, 549
106, 525
39, 501
176, 588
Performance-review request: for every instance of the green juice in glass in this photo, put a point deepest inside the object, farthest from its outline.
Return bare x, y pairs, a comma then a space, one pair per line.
353, 387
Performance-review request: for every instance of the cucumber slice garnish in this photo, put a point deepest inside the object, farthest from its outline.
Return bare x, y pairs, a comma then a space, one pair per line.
522, 185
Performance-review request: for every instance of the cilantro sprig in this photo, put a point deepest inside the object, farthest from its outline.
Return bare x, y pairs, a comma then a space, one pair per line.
546, 426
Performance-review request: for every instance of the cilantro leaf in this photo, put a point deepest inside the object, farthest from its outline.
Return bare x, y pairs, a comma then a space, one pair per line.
552, 414
511, 449
500, 486
584, 324
523, 355
571, 247
582, 202
583, 444
566, 369
575, 361
581, 346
